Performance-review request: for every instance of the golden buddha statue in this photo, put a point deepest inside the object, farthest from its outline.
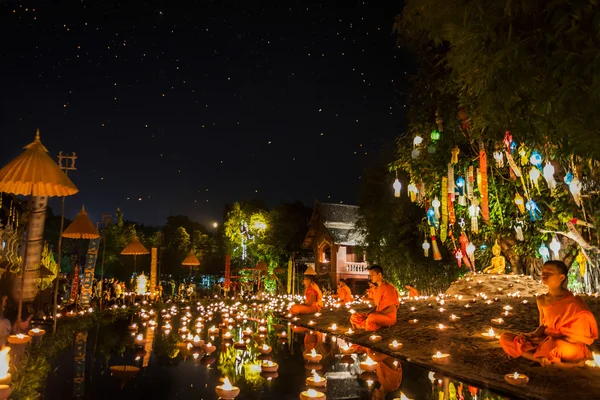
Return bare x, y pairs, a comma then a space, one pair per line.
498, 261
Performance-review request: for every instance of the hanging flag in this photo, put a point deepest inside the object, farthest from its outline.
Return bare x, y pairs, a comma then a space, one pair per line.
88, 272
75, 285
444, 226
227, 282
483, 189
153, 267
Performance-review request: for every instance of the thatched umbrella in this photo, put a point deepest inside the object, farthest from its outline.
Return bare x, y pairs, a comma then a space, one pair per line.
34, 173
134, 248
191, 261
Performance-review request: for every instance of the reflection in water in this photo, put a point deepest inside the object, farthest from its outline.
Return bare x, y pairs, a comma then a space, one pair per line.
189, 363
79, 364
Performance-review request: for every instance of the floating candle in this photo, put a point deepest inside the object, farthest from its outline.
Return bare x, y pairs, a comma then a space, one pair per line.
315, 380
227, 390
368, 365
313, 356
312, 394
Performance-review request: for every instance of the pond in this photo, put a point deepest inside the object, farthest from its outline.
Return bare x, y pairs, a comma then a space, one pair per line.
149, 357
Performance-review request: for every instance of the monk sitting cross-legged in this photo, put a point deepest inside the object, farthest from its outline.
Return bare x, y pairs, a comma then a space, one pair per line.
344, 294
566, 328
412, 291
386, 301
313, 298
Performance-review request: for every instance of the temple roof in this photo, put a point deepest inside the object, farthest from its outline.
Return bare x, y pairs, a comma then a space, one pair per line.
339, 221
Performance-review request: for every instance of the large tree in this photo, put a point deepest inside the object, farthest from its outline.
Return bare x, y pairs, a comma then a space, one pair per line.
504, 79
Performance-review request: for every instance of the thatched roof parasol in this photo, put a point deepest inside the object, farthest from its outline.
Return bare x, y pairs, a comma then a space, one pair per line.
134, 248
34, 173
81, 228
310, 271
262, 266
191, 260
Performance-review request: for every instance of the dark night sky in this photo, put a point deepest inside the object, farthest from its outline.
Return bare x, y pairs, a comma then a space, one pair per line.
180, 107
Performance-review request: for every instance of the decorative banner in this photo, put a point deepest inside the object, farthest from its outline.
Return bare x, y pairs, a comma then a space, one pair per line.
88, 272
451, 215
451, 182
35, 244
483, 189
150, 333
79, 365
437, 256
444, 226
470, 182
75, 285
513, 165
153, 264
227, 282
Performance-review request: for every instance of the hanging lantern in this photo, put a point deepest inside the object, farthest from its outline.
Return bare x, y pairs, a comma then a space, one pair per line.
534, 211
455, 153
471, 254
437, 256
568, 177
435, 135
415, 153
426, 247
451, 214
412, 192
431, 217
397, 186
470, 181
555, 247
459, 256
444, 225
417, 141
520, 202
534, 176
436, 207
460, 186
474, 214
519, 230
544, 252
508, 140
582, 261
523, 154
499, 157
536, 159
549, 176
575, 189
451, 181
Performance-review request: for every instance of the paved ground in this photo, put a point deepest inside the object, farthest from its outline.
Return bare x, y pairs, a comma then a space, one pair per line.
474, 358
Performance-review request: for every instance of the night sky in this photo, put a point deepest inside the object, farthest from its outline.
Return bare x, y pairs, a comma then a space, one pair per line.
180, 107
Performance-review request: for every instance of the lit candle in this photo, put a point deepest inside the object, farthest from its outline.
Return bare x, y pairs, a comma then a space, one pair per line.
311, 323
264, 349
313, 356
227, 390
333, 327
349, 331
312, 394
441, 327
374, 338
454, 318
395, 345
269, 366
315, 380
516, 379
413, 321
497, 321
490, 334
368, 365
440, 358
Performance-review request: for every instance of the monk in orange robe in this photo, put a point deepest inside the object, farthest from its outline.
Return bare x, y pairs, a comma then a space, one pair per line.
386, 304
370, 292
344, 294
412, 291
313, 298
566, 328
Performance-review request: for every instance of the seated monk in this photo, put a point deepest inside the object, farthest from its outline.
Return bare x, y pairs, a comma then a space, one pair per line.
344, 294
566, 328
412, 291
313, 298
386, 304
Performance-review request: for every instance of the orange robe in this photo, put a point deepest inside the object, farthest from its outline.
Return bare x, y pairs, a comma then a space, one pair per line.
570, 328
312, 290
412, 292
383, 296
344, 294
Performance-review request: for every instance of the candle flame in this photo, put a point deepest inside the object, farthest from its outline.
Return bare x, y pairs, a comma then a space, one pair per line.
312, 393
441, 326
196, 338
316, 377
333, 327
265, 347
453, 316
395, 343
516, 375
403, 397
438, 354
368, 361
313, 353
227, 384
491, 332
139, 337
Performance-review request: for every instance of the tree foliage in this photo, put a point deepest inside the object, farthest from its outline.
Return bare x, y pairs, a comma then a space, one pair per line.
487, 67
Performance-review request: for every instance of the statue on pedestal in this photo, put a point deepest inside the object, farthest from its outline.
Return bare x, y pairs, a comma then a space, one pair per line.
498, 261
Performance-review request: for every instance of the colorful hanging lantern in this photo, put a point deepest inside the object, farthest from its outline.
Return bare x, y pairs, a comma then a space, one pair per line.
520, 202
575, 189
431, 217
436, 207
460, 186
451, 214
544, 252
474, 214
555, 247
483, 185
471, 254
435, 135
536, 159
534, 177
417, 141
523, 154
499, 157
582, 261
412, 192
508, 140
451, 181
397, 186
415, 153
437, 256
470, 181
455, 153
426, 247
519, 230
549, 176
534, 211
444, 225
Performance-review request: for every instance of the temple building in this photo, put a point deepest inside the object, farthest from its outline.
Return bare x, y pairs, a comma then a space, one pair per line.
333, 237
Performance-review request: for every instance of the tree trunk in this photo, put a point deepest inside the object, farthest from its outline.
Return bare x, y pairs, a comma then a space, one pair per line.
514, 259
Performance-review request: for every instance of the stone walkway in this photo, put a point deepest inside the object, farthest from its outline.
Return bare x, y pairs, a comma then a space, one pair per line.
474, 358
